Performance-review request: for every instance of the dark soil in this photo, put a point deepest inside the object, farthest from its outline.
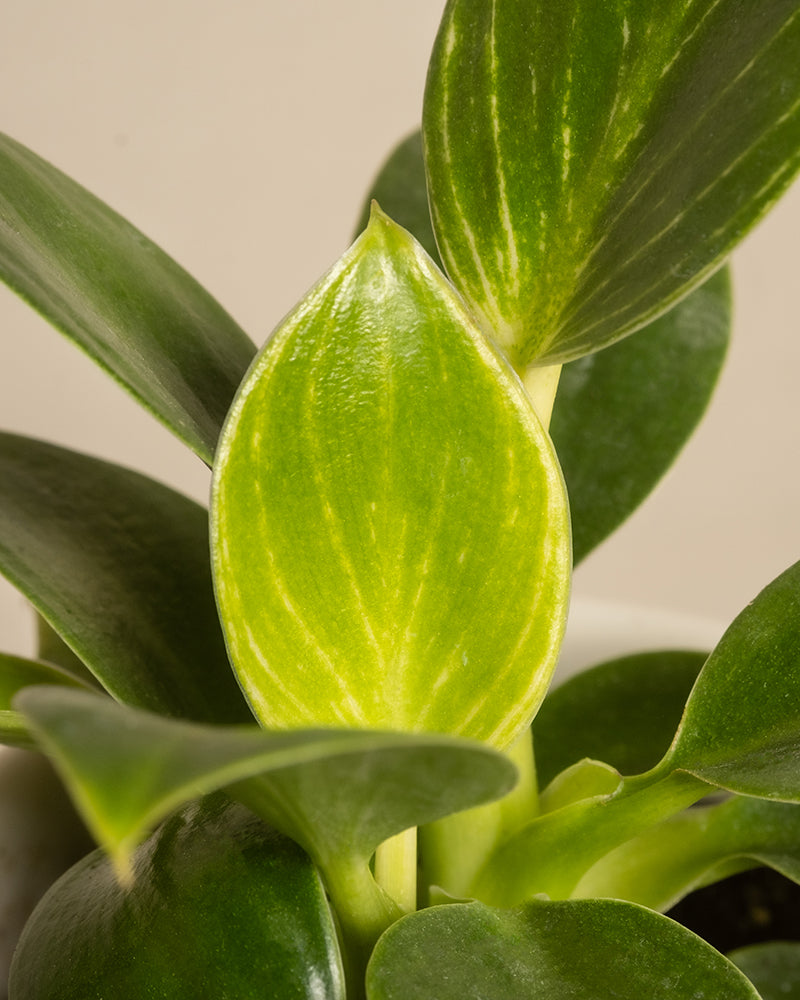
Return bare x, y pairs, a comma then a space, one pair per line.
755, 906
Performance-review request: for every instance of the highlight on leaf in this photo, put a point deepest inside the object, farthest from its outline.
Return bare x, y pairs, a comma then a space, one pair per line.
390, 534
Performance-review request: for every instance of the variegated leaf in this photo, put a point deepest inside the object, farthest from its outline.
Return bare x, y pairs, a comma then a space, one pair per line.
389, 526
590, 161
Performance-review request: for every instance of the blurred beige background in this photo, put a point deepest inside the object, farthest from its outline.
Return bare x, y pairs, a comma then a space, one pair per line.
242, 140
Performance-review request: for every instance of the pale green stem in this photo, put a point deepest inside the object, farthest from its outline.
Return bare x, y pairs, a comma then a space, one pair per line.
396, 869
457, 847
363, 912
541, 385
521, 805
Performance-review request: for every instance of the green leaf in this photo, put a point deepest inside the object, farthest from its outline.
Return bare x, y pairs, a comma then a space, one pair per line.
221, 906
119, 566
336, 791
553, 852
390, 532
592, 949
696, 848
16, 673
741, 727
401, 191
622, 415
591, 162
773, 968
52, 649
624, 712
121, 299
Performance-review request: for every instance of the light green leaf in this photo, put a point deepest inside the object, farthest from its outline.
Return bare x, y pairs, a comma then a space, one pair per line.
390, 532
741, 727
585, 779
590, 162
624, 712
622, 415
774, 968
696, 848
121, 299
220, 906
337, 792
16, 672
119, 566
591, 949
553, 852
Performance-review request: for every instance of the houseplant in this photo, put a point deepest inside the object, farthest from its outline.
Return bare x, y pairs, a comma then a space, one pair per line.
390, 543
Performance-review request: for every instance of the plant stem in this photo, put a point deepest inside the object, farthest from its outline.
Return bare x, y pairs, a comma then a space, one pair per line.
363, 911
456, 848
541, 385
521, 805
552, 853
396, 869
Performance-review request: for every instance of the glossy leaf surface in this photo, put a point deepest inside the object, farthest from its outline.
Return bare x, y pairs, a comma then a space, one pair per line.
337, 792
589, 162
741, 729
774, 968
622, 415
119, 297
221, 906
389, 527
698, 847
624, 712
119, 566
592, 949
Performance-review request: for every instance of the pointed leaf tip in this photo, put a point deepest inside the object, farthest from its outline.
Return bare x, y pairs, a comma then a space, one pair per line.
356, 557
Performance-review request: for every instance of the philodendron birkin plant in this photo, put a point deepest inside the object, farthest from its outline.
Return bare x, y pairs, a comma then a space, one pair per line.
308, 727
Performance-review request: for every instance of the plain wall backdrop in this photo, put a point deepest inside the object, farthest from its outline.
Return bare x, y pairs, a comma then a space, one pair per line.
242, 140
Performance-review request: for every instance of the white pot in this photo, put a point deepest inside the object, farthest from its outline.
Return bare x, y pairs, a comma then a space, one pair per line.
601, 630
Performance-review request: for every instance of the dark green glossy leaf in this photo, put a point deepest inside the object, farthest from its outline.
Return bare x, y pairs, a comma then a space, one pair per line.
624, 712
119, 297
623, 414
119, 566
699, 847
401, 191
590, 162
52, 649
337, 791
588, 949
16, 673
389, 527
773, 968
221, 906
741, 728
